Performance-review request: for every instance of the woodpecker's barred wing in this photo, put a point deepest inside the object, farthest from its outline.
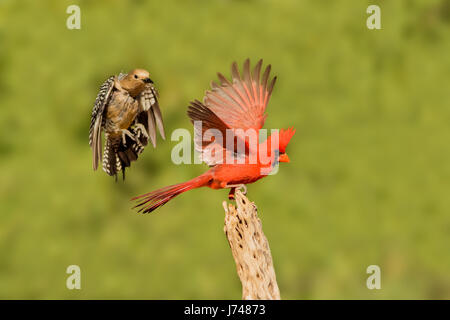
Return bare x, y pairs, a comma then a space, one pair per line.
97, 120
238, 105
151, 116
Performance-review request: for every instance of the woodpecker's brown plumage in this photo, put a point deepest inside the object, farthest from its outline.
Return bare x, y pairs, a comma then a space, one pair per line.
127, 110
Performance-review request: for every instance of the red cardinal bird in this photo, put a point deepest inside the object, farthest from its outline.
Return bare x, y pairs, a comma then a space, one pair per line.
237, 107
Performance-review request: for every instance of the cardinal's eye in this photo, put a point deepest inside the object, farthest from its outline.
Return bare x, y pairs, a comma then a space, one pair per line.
135, 76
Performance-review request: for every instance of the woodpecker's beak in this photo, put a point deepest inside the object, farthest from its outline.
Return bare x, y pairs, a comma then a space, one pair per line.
283, 158
148, 80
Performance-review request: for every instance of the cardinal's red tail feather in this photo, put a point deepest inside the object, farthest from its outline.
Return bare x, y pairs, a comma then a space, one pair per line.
155, 199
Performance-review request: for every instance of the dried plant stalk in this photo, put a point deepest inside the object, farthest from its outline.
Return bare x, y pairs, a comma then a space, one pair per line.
250, 250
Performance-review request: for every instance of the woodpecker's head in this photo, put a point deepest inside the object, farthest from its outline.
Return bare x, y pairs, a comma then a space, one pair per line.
135, 81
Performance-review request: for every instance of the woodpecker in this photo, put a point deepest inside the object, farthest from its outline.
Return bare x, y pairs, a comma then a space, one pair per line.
127, 110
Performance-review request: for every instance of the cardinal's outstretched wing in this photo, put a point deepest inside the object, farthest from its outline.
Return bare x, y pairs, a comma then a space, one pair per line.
238, 106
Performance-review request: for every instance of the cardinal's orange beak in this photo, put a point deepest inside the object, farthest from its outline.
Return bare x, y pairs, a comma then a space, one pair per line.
283, 158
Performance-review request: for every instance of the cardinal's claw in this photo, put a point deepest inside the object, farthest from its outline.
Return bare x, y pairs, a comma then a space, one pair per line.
242, 188
231, 194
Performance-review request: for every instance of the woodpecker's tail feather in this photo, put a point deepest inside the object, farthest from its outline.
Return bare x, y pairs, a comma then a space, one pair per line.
131, 150
111, 161
153, 200
118, 156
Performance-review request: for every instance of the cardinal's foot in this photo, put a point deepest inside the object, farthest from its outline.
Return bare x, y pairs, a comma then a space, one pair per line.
231, 194
241, 187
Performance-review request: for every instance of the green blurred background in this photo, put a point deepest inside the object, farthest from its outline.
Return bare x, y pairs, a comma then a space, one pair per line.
369, 177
